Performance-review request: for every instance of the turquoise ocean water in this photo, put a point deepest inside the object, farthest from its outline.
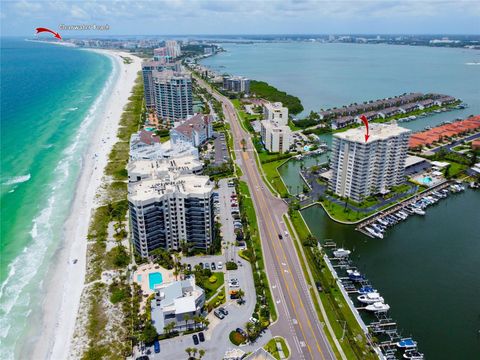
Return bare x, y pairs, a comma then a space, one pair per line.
49, 95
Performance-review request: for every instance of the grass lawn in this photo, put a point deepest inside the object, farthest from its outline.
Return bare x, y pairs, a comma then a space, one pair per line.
455, 169
340, 213
255, 247
217, 300
274, 178
211, 288
271, 347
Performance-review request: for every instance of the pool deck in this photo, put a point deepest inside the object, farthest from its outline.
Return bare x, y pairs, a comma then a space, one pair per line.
145, 269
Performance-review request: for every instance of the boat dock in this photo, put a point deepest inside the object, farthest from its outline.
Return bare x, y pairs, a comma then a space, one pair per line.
375, 225
361, 297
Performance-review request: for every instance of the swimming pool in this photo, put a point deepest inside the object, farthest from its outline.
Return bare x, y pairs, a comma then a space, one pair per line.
426, 179
154, 279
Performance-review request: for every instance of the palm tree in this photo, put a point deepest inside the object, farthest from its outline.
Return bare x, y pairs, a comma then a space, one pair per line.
169, 327
240, 294
194, 351
201, 353
189, 351
197, 319
249, 328
205, 322
187, 318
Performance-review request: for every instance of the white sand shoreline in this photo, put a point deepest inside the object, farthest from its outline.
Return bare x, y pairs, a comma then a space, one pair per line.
65, 286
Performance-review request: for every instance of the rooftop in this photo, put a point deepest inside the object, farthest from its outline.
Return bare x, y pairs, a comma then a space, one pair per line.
195, 123
376, 132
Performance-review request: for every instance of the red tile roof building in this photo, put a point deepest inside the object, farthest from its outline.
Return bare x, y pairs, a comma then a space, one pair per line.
431, 136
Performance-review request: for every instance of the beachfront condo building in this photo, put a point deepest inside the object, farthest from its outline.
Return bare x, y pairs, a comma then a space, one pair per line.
173, 95
174, 301
360, 169
148, 67
173, 48
195, 130
170, 205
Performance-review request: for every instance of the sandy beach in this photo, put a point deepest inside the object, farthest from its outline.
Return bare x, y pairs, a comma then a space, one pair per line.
66, 281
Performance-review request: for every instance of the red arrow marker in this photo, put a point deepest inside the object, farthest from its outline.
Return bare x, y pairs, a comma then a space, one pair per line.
57, 35
365, 121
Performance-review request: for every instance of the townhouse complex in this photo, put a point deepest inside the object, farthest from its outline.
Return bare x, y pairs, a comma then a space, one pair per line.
361, 169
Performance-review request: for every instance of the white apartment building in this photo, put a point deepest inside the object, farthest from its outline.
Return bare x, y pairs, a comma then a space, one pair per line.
173, 95
360, 169
275, 138
145, 145
275, 132
276, 112
169, 204
195, 130
174, 300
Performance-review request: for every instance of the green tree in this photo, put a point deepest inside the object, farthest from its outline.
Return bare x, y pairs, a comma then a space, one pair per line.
201, 353
186, 318
169, 327
149, 333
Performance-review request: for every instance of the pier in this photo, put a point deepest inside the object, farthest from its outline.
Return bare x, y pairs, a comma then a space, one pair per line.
352, 284
399, 207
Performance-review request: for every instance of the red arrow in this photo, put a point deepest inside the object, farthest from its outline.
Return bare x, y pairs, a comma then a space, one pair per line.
57, 35
365, 121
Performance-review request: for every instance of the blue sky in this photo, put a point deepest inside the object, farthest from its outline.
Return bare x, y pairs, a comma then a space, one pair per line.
164, 17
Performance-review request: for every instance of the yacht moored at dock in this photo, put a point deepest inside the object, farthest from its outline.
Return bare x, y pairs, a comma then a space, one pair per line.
406, 343
341, 253
370, 298
378, 307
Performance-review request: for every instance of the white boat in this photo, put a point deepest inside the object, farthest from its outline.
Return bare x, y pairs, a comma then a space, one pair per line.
370, 298
374, 233
341, 253
413, 355
418, 211
378, 307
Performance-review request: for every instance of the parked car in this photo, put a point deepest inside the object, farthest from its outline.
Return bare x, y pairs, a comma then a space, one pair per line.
253, 320
319, 286
201, 265
280, 236
218, 314
156, 346
195, 339
220, 265
213, 266
189, 267
241, 331
201, 336
206, 266
223, 310
143, 357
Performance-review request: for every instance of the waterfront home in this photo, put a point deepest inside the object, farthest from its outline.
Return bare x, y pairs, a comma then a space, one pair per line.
342, 122
425, 104
175, 300
371, 115
406, 108
445, 100
391, 111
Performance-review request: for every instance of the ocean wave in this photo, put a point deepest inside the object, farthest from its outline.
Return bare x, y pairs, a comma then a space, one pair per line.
26, 271
472, 63
73, 109
17, 180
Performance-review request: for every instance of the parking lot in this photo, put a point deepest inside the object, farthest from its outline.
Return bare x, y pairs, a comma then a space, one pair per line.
221, 150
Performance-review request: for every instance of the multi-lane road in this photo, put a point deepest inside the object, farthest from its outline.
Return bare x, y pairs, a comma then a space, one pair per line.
297, 320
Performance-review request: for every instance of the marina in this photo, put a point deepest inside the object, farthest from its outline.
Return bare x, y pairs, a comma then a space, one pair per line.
369, 307
376, 225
